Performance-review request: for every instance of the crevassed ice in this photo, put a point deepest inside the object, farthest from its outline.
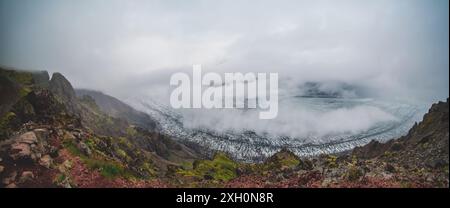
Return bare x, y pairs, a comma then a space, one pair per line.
256, 145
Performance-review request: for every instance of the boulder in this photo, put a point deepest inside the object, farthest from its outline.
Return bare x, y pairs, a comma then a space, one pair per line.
42, 134
36, 156
84, 148
20, 151
30, 146
69, 136
46, 161
28, 138
26, 176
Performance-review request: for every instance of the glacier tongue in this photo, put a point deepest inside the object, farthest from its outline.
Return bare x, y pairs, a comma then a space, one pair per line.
248, 145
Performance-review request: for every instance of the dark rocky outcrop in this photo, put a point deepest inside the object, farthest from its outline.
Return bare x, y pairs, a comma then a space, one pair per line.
15, 84
64, 91
9, 94
41, 79
426, 142
47, 131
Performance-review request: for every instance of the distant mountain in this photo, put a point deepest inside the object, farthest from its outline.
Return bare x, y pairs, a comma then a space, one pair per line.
116, 108
329, 90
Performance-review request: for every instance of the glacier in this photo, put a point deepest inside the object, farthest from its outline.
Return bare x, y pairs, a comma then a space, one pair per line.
254, 145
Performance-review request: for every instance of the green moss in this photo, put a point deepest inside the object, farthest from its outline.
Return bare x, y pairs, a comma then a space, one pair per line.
5, 127
424, 145
60, 179
281, 160
124, 142
353, 172
354, 160
187, 165
24, 91
388, 154
107, 168
25, 79
123, 155
8, 117
290, 162
91, 142
221, 168
446, 169
148, 168
72, 148
131, 131
331, 161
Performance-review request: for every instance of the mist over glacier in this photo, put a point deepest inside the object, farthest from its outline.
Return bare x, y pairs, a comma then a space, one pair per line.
295, 122
312, 119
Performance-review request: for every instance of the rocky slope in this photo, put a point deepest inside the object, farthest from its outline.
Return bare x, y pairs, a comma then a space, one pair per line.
52, 137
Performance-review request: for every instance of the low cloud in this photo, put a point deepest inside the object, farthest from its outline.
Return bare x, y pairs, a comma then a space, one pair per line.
396, 48
292, 121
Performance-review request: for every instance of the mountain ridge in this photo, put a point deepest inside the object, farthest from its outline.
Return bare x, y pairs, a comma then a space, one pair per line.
64, 128
116, 108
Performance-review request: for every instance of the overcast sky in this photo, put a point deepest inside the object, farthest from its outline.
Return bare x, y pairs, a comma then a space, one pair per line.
397, 46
